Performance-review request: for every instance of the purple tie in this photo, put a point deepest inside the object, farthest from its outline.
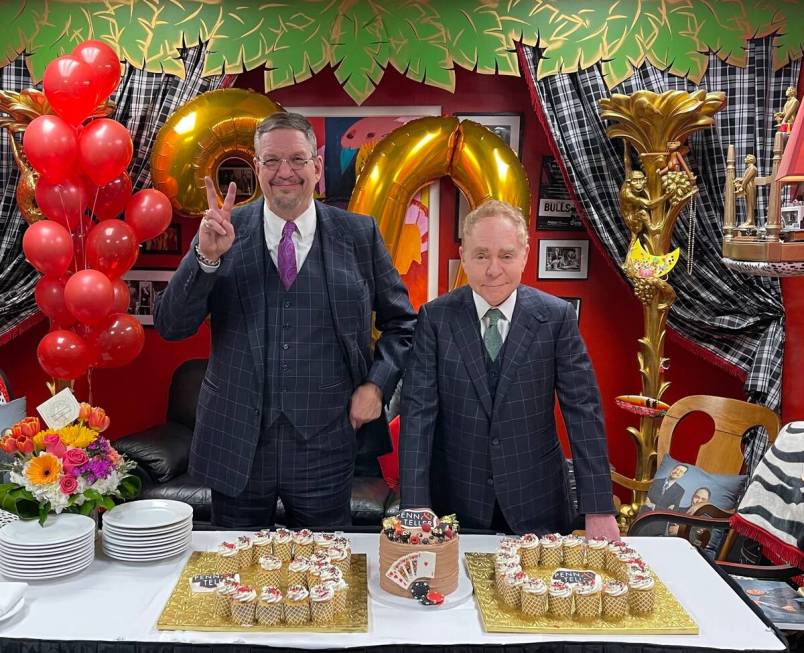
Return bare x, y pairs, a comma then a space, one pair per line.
286, 257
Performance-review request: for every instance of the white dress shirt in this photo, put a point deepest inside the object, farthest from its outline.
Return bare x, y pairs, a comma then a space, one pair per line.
506, 308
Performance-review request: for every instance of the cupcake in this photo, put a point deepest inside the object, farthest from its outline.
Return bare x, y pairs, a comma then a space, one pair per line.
269, 571
612, 551
297, 571
641, 594
269, 610
322, 541
297, 605
559, 599
227, 558
303, 543
588, 599
341, 599
615, 600
511, 544
262, 544
283, 543
320, 558
224, 591
330, 573
510, 588
574, 551
534, 597
245, 551
244, 605
322, 604
619, 568
529, 550
596, 552
344, 543
339, 557
503, 570
552, 550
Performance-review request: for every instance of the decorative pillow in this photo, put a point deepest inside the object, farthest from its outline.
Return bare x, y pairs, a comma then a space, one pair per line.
681, 487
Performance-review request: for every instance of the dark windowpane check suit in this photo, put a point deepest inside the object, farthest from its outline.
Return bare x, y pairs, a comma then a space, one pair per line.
463, 447
273, 408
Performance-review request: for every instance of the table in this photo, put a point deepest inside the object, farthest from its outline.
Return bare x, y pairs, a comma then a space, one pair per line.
115, 603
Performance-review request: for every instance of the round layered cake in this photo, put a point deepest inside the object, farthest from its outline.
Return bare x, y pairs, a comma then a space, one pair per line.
401, 558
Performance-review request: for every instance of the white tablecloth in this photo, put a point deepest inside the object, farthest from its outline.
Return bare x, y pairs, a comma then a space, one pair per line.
122, 601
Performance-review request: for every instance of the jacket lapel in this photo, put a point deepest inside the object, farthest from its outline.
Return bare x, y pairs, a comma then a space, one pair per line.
335, 246
250, 279
466, 330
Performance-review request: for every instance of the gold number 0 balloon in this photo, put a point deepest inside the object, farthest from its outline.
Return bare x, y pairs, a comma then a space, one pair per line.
480, 163
210, 129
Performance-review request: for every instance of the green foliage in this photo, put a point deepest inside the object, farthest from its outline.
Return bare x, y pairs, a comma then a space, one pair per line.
18, 501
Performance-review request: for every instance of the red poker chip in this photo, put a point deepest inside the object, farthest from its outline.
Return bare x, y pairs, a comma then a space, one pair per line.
435, 597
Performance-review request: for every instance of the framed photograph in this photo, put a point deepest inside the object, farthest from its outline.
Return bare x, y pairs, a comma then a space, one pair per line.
507, 126
563, 259
168, 242
576, 304
242, 173
143, 286
555, 212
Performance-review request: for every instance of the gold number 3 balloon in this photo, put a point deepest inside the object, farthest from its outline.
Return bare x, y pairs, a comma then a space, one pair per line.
211, 129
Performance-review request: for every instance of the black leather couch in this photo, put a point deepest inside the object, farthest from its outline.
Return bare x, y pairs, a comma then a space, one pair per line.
162, 454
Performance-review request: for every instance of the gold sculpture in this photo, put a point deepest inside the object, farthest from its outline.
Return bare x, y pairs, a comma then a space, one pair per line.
788, 113
656, 126
746, 187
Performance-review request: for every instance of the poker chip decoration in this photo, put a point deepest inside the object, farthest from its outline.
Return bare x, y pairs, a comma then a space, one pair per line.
420, 590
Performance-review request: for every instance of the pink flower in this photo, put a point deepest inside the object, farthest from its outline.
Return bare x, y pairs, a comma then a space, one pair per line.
68, 484
76, 456
54, 445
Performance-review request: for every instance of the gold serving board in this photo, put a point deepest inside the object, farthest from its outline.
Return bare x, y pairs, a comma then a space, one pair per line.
186, 610
669, 617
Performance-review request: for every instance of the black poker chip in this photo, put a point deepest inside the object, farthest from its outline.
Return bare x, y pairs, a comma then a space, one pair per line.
419, 589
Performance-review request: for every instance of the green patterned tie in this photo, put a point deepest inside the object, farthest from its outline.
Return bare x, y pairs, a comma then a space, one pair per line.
492, 338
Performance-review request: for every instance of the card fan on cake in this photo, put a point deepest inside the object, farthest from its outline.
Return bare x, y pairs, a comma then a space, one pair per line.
411, 567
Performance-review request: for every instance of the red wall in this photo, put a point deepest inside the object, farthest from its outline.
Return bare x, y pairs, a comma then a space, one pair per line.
611, 319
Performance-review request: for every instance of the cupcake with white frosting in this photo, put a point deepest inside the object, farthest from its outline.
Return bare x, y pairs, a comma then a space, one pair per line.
534, 597
588, 599
269, 571
303, 543
596, 552
641, 594
529, 550
224, 591
574, 551
283, 544
227, 558
297, 571
245, 551
244, 605
615, 600
270, 611
321, 603
262, 544
297, 605
559, 599
552, 550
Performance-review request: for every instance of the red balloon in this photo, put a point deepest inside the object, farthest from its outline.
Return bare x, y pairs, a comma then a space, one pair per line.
70, 89
80, 233
122, 296
119, 342
48, 247
49, 295
104, 150
63, 202
104, 63
109, 201
111, 248
89, 296
149, 213
63, 354
51, 147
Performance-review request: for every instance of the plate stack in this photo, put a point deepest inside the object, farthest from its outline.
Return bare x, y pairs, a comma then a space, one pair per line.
63, 546
147, 530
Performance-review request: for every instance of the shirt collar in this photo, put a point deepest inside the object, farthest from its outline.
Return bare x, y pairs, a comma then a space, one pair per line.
305, 223
506, 308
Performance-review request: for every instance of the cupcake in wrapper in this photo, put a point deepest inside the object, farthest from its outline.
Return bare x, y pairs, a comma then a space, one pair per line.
551, 550
559, 599
297, 571
588, 599
322, 541
615, 600
510, 588
612, 551
529, 550
283, 544
303, 543
262, 544
596, 552
245, 551
625, 556
269, 571
224, 591
341, 599
322, 603
574, 551
534, 597
228, 561
270, 611
339, 557
344, 543
329, 574
244, 605
501, 568
297, 605
641, 594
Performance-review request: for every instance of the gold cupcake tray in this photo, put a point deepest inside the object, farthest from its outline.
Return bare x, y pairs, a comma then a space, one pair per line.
188, 610
668, 617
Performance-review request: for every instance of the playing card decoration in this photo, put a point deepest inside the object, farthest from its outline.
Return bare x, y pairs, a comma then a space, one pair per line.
411, 567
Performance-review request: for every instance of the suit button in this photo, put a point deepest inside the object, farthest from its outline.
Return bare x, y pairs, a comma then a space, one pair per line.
288, 304
285, 346
495, 441
257, 411
489, 481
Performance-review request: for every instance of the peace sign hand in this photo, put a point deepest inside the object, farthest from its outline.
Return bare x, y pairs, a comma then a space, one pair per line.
216, 233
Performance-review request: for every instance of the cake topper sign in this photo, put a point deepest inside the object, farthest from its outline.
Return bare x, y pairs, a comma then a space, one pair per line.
574, 577
415, 518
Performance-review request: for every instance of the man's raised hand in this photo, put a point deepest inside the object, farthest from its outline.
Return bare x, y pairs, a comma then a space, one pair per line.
216, 233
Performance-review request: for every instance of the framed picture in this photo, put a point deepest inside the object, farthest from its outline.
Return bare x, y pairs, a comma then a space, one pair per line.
143, 286
507, 126
555, 212
242, 173
563, 259
576, 304
168, 242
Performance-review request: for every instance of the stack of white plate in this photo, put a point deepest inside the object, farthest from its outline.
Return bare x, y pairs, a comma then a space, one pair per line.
147, 530
64, 545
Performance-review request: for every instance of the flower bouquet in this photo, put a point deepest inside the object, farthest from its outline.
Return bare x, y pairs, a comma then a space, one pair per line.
71, 469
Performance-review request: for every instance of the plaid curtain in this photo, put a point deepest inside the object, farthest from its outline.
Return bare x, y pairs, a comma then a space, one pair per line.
144, 102
735, 319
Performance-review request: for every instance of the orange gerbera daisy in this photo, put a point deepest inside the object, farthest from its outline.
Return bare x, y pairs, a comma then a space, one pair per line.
43, 470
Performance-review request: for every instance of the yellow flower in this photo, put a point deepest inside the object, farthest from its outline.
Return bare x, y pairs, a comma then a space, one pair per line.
77, 436
43, 470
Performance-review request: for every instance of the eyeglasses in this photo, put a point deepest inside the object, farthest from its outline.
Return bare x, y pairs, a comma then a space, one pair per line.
273, 163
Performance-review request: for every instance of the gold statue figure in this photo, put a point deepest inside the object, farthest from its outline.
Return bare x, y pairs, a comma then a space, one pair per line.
635, 204
745, 186
788, 113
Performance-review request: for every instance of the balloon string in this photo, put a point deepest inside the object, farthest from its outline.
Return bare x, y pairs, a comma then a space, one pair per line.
67, 224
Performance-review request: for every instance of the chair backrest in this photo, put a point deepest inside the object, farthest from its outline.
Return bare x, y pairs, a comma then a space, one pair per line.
185, 387
722, 453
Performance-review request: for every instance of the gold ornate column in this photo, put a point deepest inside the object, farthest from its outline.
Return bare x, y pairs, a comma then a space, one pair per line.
657, 127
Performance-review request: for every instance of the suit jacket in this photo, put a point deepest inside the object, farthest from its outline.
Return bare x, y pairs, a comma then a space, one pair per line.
360, 278
461, 448
665, 499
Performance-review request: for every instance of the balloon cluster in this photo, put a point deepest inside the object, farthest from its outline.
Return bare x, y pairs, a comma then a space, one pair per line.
82, 248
